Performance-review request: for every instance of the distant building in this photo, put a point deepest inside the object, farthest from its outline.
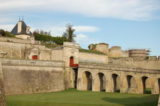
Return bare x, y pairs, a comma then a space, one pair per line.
138, 53
21, 30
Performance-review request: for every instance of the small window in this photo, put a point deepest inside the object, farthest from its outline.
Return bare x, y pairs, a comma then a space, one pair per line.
34, 57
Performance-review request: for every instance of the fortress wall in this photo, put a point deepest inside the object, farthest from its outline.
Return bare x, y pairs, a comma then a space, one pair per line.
57, 55
93, 58
2, 94
28, 76
12, 50
89, 78
45, 55
16, 40
130, 62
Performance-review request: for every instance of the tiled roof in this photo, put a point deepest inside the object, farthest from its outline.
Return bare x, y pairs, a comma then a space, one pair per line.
23, 29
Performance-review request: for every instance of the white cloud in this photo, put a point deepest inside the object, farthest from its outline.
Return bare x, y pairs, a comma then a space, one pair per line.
59, 30
123, 9
7, 27
85, 40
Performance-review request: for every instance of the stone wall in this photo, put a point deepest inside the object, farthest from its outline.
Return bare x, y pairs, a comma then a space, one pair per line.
17, 40
137, 62
93, 58
2, 96
28, 76
12, 50
57, 55
112, 78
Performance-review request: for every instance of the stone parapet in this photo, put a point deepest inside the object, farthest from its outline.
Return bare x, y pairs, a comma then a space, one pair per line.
117, 68
32, 63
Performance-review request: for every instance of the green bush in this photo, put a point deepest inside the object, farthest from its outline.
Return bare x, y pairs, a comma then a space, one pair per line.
50, 39
6, 33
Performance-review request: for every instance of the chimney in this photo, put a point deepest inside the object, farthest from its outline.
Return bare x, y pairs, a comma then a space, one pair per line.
28, 30
19, 30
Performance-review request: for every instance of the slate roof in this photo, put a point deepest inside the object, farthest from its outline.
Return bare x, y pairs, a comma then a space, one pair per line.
23, 31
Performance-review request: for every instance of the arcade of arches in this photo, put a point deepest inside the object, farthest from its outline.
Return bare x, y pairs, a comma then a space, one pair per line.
118, 80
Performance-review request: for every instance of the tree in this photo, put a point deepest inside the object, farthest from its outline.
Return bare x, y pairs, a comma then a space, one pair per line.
69, 34
6, 33
2, 32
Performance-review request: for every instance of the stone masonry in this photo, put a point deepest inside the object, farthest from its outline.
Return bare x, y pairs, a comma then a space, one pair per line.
2, 96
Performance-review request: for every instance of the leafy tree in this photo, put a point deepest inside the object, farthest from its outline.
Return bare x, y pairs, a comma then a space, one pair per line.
6, 33
47, 38
2, 32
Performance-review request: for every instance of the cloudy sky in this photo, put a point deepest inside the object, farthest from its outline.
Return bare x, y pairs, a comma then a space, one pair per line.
128, 23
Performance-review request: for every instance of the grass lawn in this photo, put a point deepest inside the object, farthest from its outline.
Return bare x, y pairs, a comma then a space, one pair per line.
73, 97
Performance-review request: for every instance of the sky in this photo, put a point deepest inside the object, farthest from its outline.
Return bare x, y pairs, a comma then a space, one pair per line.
127, 23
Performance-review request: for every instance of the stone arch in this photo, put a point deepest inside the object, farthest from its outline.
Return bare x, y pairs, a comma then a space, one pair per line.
146, 89
131, 83
87, 80
102, 81
116, 82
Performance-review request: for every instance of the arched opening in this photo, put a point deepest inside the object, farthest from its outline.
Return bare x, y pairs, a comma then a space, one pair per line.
72, 62
102, 81
75, 76
87, 80
144, 84
116, 83
129, 78
159, 84
130, 82
75, 71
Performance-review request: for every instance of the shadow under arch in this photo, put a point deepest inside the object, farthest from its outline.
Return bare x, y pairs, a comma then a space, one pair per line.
116, 82
144, 85
131, 83
159, 84
87, 80
102, 81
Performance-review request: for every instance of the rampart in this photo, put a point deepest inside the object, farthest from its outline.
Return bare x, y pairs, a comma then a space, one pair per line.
151, 62
15, 40
2, 93
113, 78
93, 58
28, 76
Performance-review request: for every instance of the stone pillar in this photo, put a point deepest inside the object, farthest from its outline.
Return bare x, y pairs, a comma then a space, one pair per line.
80, 80
95, 82
70, 49
2, 96
155, 86
123, 83
109, 83
139, 85
67, 79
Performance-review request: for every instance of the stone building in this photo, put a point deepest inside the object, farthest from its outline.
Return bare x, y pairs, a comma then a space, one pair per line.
22, 31
114, 51
28, 67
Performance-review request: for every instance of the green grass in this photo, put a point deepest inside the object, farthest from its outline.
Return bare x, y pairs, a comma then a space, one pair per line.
82, 98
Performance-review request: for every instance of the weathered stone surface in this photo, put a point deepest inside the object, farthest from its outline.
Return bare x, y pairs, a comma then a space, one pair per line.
26, 76
2, 95
118, 78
